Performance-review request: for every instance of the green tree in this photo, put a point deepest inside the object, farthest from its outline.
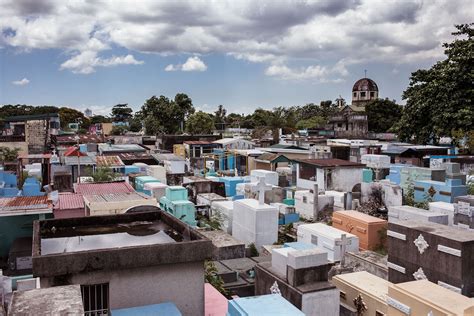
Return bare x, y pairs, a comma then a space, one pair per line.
121, 113
119, 130
103, 174
313, 122
68, 115
382, 115
200, 123
440, 99
220, 117
8, 154
99, 119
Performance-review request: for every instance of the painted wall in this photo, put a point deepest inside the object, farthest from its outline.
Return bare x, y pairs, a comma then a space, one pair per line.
180, 283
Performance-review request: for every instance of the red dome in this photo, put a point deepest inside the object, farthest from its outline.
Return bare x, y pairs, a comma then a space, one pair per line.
365, 84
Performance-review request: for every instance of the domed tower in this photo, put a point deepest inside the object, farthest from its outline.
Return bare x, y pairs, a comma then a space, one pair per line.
364, 91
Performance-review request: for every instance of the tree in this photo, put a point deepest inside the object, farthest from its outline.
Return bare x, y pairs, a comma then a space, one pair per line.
382, 115
220, 117
68, 115
200, 123
440, 99
119, 130
121, 113
8, 155
313, 122
162, 115
99, 119
104, 174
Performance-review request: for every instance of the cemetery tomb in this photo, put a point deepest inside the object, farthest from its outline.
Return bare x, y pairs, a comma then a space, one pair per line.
376, 161
443, 208
405, 212
444, 191
208, 198
271, 177
224, 209
339, 199
372, 289
155, 189
464, 211
368, 229
176, 202
426, 298
329, 239
271, 304
158, 172
140, 182
255, 222
287, 214
424, 250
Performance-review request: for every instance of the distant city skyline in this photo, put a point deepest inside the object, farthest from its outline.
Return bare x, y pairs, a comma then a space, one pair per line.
242, 54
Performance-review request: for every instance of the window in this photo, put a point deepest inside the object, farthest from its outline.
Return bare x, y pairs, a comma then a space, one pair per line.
314, 240
355, 94
305, 199
307, 172
96, 299
362, 94
372, 94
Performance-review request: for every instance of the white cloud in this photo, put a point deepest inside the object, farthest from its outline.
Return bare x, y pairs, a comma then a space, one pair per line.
330, 34
22, 82
192, 64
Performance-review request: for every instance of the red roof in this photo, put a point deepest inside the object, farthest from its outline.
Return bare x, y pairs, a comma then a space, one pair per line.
22, 203
330, 162
103, 188
69, 201
198, 142
73, 151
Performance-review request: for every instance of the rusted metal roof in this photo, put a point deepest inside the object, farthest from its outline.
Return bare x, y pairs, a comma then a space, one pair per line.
134, 156
116, 197
69, 201
198, 142
103, 188
330, 162
365, 84
25, 204
83, 139
109, 161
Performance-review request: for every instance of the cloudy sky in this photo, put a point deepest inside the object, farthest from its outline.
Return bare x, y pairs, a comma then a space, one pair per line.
242, 54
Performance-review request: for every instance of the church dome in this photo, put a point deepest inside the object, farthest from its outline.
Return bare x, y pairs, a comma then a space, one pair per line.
365, 84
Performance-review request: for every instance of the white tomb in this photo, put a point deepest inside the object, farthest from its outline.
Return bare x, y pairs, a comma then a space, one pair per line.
304, 203
376, 161
443, 208
255, 222
271, 177
405, 212
329, 239
338, 199
157, 189
157, 172
209, 198
297, 259
225, 209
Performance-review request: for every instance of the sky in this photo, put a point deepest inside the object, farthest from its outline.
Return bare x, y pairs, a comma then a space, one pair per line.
238, 53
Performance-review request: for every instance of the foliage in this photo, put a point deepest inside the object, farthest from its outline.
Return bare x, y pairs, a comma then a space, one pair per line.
381, 246
283, 234
220, 117
104, 174
23, 109
215, 221
382, 114
162, 115
313, 122
470, 188
119, 130
121, 113
68, 115
374, 204
8, 155
200, 123
439, 100
99, 119
136, 124
212, 277
253, 250
409, 197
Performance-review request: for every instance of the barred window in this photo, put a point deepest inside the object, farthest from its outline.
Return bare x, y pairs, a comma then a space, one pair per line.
96, 299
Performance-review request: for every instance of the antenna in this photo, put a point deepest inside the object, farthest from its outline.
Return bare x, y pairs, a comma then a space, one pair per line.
365, 73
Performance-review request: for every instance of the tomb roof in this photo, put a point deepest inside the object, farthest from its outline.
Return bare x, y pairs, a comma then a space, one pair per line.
103, 188
448, 232
68, 201
109, 161
360, 216
330, 163
366, 282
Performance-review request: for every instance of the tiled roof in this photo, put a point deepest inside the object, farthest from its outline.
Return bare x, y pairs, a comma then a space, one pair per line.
108, 161
103, 188
25, 203
330, 162
69, 201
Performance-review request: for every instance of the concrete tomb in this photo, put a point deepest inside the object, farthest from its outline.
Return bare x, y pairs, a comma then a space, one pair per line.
464, 211
405, 212
329, 239
368, 229
425, 250
272, 304
443, 208
176, 203
225, 210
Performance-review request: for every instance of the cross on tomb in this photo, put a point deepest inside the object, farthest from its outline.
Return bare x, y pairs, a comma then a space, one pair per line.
261, 187
343, 243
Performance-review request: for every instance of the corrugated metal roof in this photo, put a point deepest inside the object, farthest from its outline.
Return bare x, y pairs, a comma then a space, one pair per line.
103, 188
169, 157
134, 156
24, 203
73, 160
198, 142
69, 201
330, 162
83, 139
109, 161
116, 197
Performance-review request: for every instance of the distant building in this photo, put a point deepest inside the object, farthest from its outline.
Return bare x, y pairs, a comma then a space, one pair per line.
87, 112
364, 91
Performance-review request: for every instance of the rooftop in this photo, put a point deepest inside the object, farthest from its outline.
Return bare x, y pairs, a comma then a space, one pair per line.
169, 157
83, 139
115, 197
69, 201
327, 163
74, 160
57, 300
198, 142
448, 232
25, 205
103, 188
271, 157
360, 216
365, 282
122, 241
121, 148
109, 161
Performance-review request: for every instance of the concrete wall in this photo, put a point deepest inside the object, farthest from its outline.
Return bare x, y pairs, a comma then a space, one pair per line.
182, 284
308, 184
321, 303
344, 179
22, 145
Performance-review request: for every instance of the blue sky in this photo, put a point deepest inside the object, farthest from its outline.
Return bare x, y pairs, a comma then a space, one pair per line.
242, 54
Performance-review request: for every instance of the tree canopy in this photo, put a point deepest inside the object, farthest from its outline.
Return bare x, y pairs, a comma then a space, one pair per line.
382, 115
121, 113
200, 123
440, 99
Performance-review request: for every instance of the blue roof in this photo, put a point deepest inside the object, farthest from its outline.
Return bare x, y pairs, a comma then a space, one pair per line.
168, 309
272, 304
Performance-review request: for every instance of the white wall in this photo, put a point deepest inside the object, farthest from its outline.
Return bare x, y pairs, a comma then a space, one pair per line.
344, 179
309, 185
321, 303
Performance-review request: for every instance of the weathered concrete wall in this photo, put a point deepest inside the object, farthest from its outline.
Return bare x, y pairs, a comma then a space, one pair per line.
359, 263
344, 179
22, 145
182, 284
